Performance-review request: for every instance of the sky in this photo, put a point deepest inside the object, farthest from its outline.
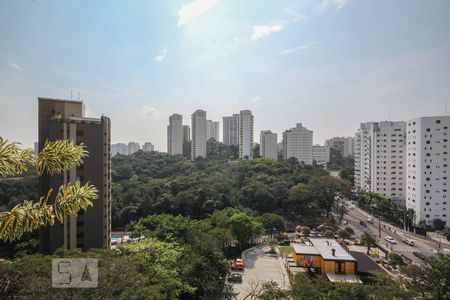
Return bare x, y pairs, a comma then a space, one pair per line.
328, 64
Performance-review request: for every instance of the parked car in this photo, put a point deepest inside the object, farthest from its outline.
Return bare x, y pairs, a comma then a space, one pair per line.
390, 239
237, 264
419, 254
235, 277
362, 223
370, 220
409, 242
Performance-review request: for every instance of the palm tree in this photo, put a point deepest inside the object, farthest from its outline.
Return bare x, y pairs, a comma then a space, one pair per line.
55, 157
367, 240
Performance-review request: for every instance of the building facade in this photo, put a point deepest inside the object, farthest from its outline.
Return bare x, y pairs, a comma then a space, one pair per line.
119, 148
380, 159
147, 147
62, 120
175, 135
198, 145
297, 142
212, 130
186, 133
344, 145
246, 134
321, 154
268, 145
231, 130
133, 147
427, 168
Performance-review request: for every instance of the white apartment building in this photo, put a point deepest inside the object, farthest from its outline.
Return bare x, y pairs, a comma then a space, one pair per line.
380, 159
147, 147
212, 130
119, 148
268, 147
133, 147
246, 134
297, 142
231, 130
343, 145
175, 135
198, 145
321, 154
427, 168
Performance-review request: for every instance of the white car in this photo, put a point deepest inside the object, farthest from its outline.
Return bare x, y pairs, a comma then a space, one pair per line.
409, 242
370, 220
390, 239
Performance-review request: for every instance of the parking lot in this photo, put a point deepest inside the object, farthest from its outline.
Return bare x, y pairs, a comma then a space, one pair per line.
260, 268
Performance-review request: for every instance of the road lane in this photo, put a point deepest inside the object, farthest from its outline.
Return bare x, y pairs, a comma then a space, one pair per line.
354, 215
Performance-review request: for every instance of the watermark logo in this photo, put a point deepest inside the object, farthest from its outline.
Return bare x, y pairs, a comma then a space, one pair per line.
74, 273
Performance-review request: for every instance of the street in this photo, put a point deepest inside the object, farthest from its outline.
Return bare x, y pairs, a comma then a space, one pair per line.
353, 215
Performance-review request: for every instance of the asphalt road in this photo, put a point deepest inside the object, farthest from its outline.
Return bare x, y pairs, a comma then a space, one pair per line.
354, 215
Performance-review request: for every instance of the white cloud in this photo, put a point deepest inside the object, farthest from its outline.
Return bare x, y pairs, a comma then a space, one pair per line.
14, 66
161, 55
298, 48
260, 31
327, 3
148, 111
192, 10
296, 17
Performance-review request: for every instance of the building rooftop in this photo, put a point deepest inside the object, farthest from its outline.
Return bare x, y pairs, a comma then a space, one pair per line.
325, 248
59, 100
303, 249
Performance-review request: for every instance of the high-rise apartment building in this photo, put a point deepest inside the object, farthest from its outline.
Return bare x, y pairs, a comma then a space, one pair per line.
148, 147
231, 130
198, 145
344, 145
175, 135
133, 147
380, 156
321, 154
212, 130
268, 144
427, 168
246, 134
63, 120
186, 133
119, 148
297, 142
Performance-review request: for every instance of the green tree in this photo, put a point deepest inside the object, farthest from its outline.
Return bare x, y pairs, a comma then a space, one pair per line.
432, 279
439, 224
272, 221
343, 234
367, 240
55, 157
329, 234
245, 228
349, 230
306, 230
395, 259
325, 189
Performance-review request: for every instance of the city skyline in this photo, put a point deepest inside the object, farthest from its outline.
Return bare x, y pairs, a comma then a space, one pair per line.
296, 62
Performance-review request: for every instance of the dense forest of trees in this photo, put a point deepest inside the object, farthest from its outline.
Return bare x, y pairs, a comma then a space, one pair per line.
155, 183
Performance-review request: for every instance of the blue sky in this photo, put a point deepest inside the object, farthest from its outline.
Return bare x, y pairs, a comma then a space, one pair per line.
329, 64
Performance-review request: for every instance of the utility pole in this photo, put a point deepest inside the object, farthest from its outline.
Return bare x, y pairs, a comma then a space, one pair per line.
379, 227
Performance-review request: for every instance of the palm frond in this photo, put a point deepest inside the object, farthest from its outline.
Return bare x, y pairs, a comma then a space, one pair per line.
57, 156
13, 160
30, 215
